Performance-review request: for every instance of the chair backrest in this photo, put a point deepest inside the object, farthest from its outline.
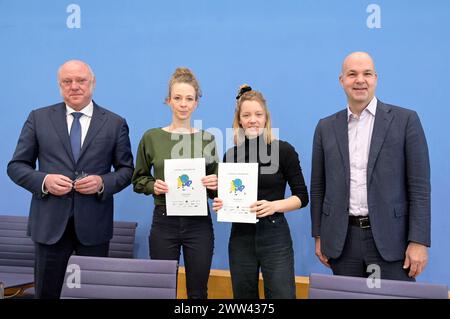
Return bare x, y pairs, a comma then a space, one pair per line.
122, 243
120, 278
343, 287
16, 248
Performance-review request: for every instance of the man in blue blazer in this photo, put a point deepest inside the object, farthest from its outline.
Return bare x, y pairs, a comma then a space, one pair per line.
75, 143
370, 183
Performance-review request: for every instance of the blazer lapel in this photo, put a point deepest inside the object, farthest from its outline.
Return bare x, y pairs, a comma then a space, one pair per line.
59, 121
383, 118
97, 121
341, 132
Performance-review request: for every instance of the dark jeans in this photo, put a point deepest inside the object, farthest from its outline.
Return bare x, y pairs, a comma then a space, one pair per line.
195, 235
51, 261
266, 245
359, 252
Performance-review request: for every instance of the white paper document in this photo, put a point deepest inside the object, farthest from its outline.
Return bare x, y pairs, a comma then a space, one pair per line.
187, 195
238, 189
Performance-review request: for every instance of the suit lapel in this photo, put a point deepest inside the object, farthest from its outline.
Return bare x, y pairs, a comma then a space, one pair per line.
383, 118
341, 132
97, 121
59, 121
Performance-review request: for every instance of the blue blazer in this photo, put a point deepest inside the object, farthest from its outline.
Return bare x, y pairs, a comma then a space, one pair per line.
398, 182
45, 138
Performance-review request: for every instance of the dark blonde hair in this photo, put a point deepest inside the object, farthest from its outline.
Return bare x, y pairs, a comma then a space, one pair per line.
246, 93
184, 75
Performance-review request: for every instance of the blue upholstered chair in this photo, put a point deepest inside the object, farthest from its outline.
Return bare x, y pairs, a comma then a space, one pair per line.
17, 252
120, 278
16, 255
122, 243
342, 287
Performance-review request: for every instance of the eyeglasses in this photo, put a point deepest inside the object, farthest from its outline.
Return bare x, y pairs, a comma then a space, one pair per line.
68, 83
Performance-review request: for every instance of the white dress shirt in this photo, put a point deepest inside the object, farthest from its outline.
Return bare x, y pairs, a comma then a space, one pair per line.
359, 137
85, 119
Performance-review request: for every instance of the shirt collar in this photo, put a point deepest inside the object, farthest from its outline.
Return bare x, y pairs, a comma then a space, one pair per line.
371, 108
87, 110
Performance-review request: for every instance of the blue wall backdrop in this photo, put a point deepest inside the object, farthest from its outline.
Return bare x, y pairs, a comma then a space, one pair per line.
290, 50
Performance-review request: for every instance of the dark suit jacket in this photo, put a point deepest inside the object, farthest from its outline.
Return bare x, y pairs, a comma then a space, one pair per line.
45, 138
398, 182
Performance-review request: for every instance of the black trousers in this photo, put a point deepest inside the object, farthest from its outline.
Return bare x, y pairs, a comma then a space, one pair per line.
195, 235
360, 252
266, 245
51, 261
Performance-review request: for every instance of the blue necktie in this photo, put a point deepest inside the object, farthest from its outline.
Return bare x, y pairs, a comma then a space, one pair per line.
75, 135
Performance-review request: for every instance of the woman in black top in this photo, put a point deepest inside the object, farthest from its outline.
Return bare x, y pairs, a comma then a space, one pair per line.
266, 244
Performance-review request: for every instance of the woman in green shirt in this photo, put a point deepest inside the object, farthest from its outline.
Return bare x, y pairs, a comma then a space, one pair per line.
169, 234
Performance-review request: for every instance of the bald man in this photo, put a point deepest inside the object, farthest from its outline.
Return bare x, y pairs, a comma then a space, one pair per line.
76, 143
370, 183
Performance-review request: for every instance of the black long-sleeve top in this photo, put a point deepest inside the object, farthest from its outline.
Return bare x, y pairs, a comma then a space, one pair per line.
278, 164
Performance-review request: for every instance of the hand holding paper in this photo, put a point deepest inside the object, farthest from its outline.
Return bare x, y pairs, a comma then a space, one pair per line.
160, 187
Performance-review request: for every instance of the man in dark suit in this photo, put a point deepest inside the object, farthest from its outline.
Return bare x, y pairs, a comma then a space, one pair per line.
75, 143
370, 183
